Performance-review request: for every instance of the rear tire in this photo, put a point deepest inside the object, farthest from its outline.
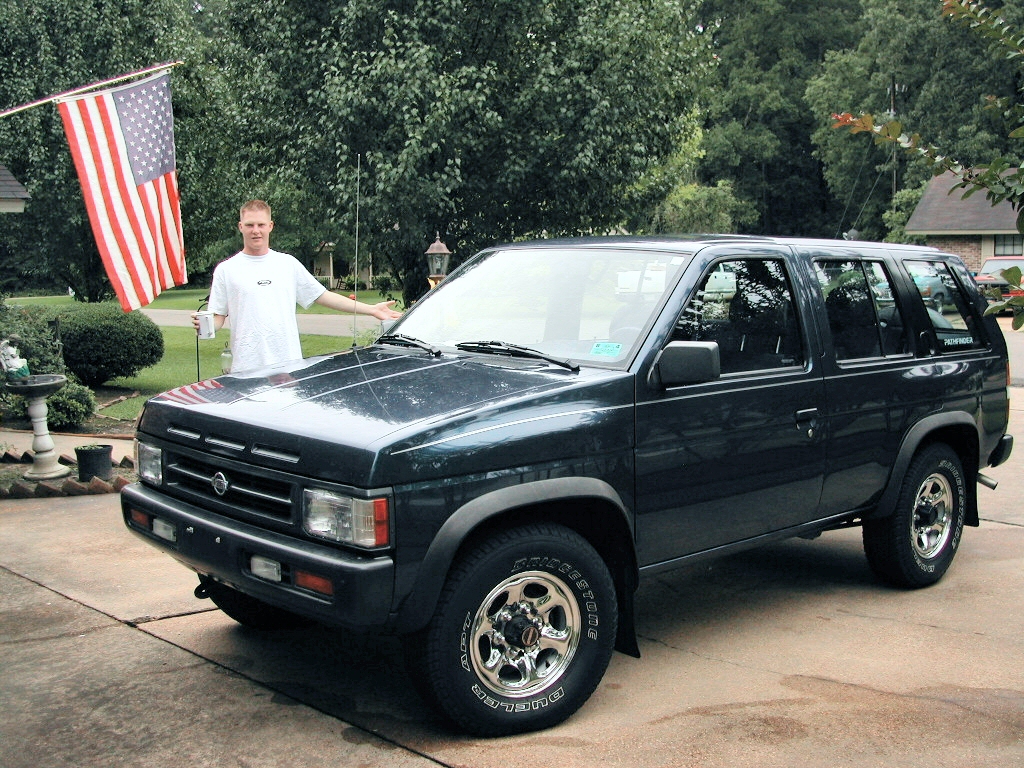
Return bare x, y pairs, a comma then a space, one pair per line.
248, 611
916, 544
522, 632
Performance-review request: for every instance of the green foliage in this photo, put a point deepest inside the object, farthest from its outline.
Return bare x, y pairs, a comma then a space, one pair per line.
691, 208
50, 46
68, 407
483, 123
28, 328
757, 122
1001, 178
101, 342
895, 219
943, 76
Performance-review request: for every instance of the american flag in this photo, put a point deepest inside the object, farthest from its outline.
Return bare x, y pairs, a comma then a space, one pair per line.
122, 142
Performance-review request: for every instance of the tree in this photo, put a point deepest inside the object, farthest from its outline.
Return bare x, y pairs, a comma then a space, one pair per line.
478, 122
481, 122
757, 124
911, 64
1001, 178
50, 46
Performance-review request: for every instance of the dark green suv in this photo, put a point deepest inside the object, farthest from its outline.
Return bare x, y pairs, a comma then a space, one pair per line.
559, 419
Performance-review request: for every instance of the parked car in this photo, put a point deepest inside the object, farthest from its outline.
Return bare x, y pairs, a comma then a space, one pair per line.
930, 284
990, 279
559, 419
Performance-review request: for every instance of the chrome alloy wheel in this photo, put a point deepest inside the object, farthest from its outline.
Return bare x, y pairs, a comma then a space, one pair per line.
933, 514
524, 634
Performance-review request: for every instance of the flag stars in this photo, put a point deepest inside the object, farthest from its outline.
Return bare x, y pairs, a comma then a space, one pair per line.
148, 126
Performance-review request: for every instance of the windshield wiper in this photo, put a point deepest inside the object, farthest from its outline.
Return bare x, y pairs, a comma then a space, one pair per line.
512, 350
401, 340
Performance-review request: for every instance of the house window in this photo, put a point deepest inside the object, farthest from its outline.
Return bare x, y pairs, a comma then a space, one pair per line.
1009, 245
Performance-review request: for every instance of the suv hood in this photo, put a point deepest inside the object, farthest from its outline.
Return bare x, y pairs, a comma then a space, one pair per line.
358, 416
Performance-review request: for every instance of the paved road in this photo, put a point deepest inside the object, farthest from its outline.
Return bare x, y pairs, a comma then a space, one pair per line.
790, 655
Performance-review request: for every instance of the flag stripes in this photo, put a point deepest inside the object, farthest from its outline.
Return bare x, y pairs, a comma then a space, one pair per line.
136, 221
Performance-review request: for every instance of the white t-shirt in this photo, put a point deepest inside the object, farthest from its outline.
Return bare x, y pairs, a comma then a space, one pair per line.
258, 294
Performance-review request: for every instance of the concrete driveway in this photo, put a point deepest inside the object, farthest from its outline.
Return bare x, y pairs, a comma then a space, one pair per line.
788, 655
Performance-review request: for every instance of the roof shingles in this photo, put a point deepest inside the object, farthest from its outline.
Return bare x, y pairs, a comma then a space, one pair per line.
943, 211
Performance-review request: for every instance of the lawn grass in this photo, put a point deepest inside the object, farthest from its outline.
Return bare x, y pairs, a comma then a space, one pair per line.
189, 299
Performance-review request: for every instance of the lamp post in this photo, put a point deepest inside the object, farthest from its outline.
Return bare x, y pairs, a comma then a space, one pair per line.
437, 261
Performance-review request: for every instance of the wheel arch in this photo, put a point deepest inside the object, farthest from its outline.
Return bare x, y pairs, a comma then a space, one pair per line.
955, 429
588, 506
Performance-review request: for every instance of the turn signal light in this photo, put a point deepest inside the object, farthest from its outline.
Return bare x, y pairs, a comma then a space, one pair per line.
314, 583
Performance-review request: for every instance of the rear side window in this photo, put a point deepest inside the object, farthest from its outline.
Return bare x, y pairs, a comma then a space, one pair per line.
954, 323
746, 306
863, 316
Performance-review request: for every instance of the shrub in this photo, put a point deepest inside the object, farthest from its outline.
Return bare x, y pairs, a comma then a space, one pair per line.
69, 406
101, 342
386, 285
349, 283
28, 328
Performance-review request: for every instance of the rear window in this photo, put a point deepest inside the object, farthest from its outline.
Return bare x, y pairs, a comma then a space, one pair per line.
863, 317
952, 319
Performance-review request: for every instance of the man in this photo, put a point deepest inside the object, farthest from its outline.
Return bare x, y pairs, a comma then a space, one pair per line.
258, 289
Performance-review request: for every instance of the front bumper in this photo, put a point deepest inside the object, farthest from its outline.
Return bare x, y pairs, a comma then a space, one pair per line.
223, 548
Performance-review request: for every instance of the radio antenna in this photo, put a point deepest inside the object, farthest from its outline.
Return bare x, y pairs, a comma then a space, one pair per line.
356, 283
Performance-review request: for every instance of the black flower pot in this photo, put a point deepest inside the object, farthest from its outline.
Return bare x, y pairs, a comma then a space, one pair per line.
94, 461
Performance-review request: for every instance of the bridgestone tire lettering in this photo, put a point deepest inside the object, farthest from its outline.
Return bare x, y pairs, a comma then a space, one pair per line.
522, 633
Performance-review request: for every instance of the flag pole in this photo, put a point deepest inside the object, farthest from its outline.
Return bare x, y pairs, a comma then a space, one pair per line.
86, 88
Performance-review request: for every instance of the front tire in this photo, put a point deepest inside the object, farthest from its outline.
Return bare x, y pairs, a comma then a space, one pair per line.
915, 545
522, 633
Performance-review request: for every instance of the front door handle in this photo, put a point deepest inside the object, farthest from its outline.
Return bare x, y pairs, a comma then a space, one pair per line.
806, 414
805, 418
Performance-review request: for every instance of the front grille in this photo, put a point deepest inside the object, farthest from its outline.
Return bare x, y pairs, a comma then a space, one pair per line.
246, 490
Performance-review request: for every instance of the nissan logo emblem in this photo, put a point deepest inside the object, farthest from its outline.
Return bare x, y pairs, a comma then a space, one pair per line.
220, 483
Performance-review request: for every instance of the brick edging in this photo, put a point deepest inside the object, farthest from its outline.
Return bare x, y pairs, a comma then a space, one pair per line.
61, 486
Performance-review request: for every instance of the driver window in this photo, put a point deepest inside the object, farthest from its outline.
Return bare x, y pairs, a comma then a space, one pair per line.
746, 306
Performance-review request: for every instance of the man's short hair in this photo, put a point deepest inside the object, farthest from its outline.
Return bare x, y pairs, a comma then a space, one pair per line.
254, 205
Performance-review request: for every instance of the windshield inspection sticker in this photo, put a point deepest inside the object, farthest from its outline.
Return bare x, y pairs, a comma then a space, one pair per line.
606, 349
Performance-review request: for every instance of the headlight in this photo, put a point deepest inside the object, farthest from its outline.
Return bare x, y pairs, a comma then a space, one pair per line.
149, 463
363, 522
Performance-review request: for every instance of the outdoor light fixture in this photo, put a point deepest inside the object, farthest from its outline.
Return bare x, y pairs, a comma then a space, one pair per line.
437, 261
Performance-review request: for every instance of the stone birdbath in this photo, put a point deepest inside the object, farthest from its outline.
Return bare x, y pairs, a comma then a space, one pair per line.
35, 389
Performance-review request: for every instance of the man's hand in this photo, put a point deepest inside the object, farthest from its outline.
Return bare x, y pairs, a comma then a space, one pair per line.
384, 311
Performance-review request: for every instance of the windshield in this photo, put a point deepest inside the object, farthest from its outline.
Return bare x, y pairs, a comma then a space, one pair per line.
585, 304
995, 266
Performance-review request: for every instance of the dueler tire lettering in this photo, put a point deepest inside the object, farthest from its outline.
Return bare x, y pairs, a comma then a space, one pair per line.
915, 545
522, 633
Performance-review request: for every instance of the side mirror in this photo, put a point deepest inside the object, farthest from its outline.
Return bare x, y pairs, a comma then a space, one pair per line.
686, 362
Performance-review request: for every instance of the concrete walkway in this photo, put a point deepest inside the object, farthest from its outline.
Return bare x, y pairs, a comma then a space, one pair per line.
788, 655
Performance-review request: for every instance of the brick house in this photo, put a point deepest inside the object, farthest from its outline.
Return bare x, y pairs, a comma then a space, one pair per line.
12, 194
973, 228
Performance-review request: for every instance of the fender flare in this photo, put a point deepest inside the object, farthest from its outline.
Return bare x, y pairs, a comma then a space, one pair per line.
912, 441
418, 606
